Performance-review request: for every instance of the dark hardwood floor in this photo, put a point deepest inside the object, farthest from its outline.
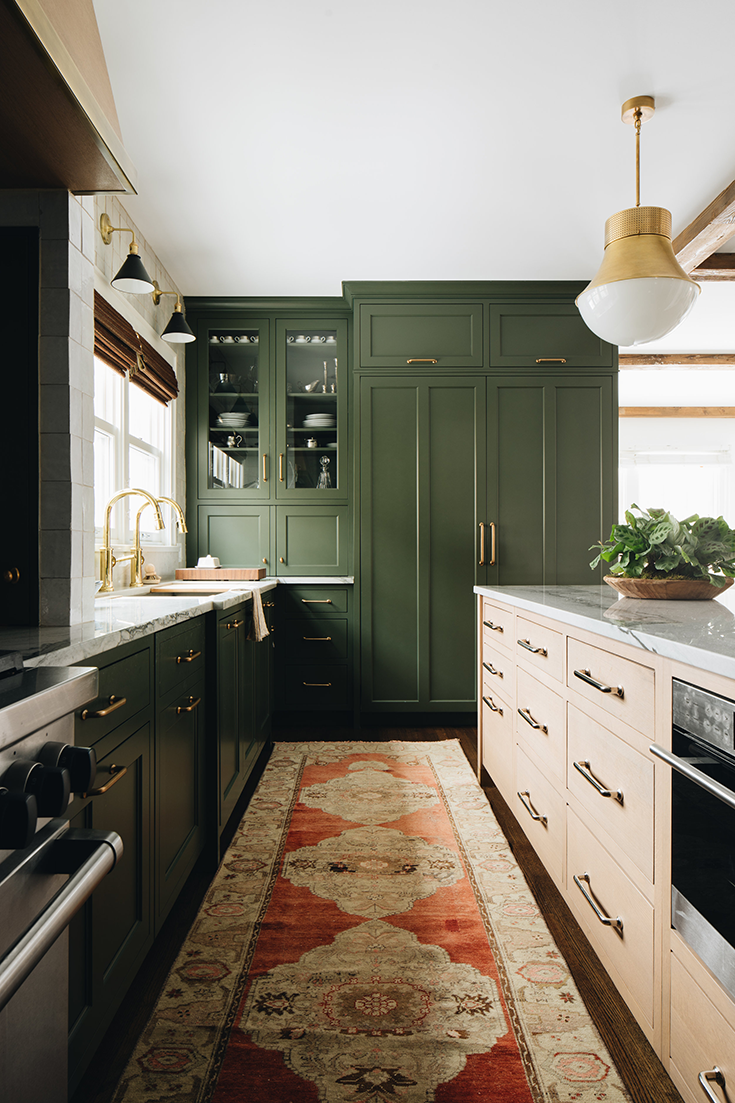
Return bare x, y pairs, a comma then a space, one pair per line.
643, 1074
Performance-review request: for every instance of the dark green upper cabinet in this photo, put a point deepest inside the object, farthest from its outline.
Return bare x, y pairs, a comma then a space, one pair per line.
421, 335
544, 335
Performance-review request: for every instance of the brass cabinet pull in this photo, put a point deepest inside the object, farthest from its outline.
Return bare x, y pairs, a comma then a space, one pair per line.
608, 921
491, 670
316, 600
491, 705
530, 809
12, 576
280, 466
265, 475
617, 691
584, 769
113, 704
551, 360
189, 657
711, 1074
317, 639
193, 702
495, 627
492, 544
482, 544
116, 772
269, 604
530, 720
321, 685
422, 360
234, 624
529, 647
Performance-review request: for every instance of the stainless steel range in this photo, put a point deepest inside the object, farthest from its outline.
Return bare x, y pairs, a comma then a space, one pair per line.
47, 871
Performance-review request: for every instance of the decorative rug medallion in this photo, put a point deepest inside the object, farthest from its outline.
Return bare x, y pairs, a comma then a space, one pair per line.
400, 961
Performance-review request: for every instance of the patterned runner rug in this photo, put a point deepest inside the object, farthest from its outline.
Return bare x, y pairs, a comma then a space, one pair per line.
369, 937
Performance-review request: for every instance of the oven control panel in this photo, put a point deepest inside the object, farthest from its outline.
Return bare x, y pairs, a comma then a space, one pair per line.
704, 715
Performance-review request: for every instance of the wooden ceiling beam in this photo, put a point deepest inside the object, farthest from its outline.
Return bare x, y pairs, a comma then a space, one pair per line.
710, 229
720, 266
722, 360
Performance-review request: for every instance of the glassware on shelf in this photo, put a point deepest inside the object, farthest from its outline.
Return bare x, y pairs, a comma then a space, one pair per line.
324, 482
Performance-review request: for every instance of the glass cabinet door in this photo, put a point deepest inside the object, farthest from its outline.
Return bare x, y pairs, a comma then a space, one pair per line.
236, 402
312, 405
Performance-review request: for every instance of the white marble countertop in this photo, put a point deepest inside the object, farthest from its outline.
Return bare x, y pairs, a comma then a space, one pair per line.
700, 633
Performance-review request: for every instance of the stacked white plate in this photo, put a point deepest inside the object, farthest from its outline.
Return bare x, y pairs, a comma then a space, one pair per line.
233, 421
320, 421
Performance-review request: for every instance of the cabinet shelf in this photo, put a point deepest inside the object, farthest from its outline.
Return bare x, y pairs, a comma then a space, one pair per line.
249, 395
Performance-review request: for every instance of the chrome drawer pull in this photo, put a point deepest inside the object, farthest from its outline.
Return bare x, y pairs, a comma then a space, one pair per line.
321, 685
116, 773
616, 923
530, 720
491, 670
316, 600
491, 705
113, 704
495, 627
530, 809
317, 639
190, 656
584, 769
193, 702
617, 691
711, 1074
529, 647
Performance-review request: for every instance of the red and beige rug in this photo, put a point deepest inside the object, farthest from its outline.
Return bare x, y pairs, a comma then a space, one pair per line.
369, 937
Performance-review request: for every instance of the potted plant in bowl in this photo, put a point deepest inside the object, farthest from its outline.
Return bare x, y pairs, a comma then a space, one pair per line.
656, 556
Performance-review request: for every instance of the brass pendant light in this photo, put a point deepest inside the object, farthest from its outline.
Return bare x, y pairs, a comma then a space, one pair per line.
640, 292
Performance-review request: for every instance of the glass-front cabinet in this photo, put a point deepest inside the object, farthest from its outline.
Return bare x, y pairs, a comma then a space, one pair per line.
311, 410
235, 399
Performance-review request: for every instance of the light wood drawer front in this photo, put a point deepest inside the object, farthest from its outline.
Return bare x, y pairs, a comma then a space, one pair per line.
700, 1039
540, 723
535, 796
498, 741
628, 954
498, 674
627, 814
541, 647
497, 626
616, 674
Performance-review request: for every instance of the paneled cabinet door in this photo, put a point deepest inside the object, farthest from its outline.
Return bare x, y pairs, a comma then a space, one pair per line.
311, 540
229, 442
237, 534
552, 479
109, 938
422, 466
421, 336
311, 410
544, 336
235, 712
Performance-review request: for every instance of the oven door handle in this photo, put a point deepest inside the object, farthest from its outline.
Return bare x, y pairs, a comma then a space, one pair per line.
712, 787
88, 856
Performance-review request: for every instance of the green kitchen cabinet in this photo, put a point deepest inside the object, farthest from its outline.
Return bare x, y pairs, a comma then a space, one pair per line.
312, 540
544, 336
238, 534
551, 477
437, 334
315, 647
422, 496
110, 936
264, 676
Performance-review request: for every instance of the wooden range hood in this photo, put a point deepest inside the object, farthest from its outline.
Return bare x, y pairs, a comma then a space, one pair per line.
53, 131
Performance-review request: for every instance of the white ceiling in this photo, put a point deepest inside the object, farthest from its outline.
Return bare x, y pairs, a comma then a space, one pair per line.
283, 146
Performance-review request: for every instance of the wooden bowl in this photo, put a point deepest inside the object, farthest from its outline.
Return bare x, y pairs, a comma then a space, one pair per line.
677, 589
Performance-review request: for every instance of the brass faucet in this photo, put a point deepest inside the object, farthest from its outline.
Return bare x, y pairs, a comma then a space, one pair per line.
136, 571
107, 559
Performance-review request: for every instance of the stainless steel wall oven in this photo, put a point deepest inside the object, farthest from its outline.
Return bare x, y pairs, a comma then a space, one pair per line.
703, 826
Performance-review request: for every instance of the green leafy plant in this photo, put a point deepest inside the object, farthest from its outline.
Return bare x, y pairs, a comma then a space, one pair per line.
655, 545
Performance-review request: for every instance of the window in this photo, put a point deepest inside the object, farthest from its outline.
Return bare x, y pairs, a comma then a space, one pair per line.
681, 481
133, 446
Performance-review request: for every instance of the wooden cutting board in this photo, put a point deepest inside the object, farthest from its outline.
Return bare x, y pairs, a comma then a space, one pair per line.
201, 588
225, 574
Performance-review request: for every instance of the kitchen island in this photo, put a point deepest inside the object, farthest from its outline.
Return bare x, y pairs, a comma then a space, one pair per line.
574, 691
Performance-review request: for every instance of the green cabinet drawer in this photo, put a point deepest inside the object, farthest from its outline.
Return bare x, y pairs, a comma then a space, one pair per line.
392, 335
317, 686
299, 601
529, 335
124, 689
316, 641
179, 655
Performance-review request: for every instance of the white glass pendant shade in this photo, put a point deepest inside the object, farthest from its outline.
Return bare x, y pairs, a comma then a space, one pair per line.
641, 292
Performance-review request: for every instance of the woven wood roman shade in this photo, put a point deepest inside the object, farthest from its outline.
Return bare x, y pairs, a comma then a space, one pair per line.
117, 343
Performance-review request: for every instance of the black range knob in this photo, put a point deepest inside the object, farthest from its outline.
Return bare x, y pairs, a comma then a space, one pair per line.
81, 762
18, 816
51, 787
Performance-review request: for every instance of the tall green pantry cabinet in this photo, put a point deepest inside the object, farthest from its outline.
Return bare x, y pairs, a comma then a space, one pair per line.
487, 444
268, 444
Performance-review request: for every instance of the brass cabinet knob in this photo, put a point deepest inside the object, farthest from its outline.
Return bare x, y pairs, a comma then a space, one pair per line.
11, 575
